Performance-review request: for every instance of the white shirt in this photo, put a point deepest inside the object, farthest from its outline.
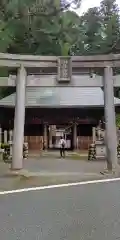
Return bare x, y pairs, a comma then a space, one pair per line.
62, 141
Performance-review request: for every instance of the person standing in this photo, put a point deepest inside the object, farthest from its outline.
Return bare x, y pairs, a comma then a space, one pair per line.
62, 144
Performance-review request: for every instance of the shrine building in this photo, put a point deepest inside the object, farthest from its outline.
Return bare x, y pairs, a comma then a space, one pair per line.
55, 111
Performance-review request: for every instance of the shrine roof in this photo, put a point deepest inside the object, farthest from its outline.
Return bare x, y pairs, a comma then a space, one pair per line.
60, 97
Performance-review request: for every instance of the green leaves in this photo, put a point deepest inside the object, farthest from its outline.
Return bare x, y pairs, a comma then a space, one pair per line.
48, 27
118, 120
100, 30
41, 27
109, 13
38, 27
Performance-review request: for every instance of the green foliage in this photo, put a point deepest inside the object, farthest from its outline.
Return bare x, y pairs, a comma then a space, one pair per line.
118, 120
4, 145
36, 27
48, 27
109, 13
100, 27
6, 153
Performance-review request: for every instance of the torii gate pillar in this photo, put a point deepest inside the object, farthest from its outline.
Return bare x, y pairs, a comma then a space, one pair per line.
110, 122
18, 135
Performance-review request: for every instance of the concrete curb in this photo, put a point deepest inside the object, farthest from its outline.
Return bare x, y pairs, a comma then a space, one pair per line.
28, 174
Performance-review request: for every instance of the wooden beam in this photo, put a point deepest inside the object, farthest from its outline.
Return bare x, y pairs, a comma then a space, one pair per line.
107, 57
27, 64
94, 58
93, 65
98, 61
17, 57
96, 64
51, 81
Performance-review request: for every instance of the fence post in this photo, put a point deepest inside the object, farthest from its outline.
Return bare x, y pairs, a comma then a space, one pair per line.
94, 134
0, 135
5, 136
10, 135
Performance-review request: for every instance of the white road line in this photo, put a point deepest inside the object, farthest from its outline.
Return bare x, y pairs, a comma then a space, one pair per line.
59, 186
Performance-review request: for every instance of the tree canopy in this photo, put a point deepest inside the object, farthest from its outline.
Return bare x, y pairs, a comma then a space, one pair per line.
49, 27
39, 27
52, 27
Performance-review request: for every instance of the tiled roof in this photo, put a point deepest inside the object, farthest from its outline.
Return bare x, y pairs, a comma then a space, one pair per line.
60, 97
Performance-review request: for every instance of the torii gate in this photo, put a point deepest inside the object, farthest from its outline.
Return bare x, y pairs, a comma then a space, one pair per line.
64, 76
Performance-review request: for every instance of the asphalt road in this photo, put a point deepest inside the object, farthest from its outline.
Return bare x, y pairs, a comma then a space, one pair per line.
71, 213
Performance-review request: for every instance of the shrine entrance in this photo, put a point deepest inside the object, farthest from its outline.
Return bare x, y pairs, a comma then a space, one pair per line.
55, 132
66, 71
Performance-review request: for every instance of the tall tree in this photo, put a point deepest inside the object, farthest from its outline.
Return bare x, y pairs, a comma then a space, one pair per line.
110, 16
110, 20
27, 24
43, 27
100, 28
92, 27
